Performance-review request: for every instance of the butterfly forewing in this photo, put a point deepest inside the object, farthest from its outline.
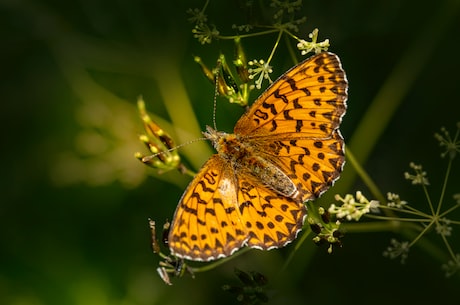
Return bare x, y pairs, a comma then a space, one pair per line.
307, 101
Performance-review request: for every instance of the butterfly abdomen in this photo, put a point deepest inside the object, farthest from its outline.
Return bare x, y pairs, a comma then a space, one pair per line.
270, 175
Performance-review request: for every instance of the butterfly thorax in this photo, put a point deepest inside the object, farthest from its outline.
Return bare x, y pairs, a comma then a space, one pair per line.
245, 158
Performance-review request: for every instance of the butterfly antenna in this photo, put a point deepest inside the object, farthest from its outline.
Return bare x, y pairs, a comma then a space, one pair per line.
150, 157
216, 93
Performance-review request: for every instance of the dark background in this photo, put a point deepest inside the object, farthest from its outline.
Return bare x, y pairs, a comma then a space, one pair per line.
75, 202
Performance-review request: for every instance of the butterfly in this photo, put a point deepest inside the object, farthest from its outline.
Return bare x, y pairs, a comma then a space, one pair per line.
286, 149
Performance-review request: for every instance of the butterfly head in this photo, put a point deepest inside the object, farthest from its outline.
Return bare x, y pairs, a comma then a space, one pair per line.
216, 137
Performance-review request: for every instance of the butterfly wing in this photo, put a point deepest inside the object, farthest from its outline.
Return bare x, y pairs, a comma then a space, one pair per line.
307, 101
271, 220
207, 223
313, 165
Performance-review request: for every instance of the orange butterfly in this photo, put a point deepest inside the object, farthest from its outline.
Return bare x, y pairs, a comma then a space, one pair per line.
286, 149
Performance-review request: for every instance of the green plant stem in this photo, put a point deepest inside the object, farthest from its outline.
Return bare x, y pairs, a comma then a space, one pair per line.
408, 211
278, 38
425, 229
215, 264
408, 229
378, 226
276, 30
450, 210
297, 246
444, 185
419, 220
365, 176
292, 52
447, 244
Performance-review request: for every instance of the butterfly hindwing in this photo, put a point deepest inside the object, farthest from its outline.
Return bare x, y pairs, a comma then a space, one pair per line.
313, 165
271, 220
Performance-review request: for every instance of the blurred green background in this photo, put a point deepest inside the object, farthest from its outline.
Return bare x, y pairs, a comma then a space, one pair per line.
75, 202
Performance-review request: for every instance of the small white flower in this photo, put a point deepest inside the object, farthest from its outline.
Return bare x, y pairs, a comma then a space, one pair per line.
394, 201
204, 33
443, 227
452, 145
312, 46
353, 207
457, 198
397, 249
262, 69
452, 266
243, 27
419, 177
197, 16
